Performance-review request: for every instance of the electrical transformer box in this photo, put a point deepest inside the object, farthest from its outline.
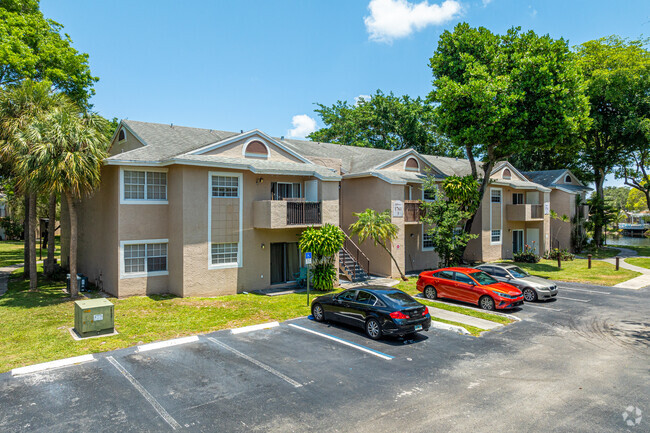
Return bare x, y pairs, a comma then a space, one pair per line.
93, 317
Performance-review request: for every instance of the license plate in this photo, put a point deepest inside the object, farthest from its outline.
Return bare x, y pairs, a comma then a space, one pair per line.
418, 327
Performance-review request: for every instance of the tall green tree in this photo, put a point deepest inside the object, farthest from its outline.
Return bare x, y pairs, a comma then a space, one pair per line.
499, 95
379, 228
66, 159
618, 86
32, 46
21, 107
616, 196
383, 122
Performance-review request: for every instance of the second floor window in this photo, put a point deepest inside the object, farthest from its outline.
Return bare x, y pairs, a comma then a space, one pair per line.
496, 195
517, 198
282, 190
225, 186
145, 185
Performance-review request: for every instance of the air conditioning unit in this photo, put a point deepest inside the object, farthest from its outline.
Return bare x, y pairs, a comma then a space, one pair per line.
93, 317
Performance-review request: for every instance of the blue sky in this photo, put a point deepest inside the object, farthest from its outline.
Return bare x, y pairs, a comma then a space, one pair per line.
235, 65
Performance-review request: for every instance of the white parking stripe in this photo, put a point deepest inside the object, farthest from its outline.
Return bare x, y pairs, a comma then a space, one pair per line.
573, 299
52, 364
150, 398
539, 306
571, 289
168, 343
345, 342
256, 362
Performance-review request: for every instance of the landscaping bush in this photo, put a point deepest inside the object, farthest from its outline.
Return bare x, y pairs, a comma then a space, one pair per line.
12, 229
563, 254
528, 255
323, 243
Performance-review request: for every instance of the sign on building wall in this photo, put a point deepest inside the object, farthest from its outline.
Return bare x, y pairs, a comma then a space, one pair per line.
547, 208
398, 209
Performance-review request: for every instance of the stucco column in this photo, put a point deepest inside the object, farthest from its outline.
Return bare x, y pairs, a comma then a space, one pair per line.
397, 246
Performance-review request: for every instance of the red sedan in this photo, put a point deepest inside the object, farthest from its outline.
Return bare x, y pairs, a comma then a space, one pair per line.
469, 285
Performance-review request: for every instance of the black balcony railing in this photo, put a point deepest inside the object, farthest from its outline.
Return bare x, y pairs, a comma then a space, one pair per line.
303, 212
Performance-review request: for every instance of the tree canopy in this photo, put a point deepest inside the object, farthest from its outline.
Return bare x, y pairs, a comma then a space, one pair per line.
383, 122
32, 46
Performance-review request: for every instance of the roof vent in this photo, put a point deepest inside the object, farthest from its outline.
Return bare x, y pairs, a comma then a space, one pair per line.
171, 125
241, 131
282, 137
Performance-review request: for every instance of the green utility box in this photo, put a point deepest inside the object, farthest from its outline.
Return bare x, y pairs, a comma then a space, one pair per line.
93, 317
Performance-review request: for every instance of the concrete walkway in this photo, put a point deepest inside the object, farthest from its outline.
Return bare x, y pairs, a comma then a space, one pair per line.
5, 272
462, 318
635, 283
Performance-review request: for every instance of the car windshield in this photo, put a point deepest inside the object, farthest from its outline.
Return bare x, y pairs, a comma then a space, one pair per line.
482, 278
517, 272
400, 298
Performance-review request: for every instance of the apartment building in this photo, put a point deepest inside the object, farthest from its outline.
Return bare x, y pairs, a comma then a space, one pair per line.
198, 212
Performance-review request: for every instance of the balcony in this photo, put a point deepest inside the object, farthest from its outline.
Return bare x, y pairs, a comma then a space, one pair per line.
525, 212
280, 214
412, 212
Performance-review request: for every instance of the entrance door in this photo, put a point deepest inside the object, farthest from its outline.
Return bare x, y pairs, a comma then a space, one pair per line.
532, 239
517, 241
285, 262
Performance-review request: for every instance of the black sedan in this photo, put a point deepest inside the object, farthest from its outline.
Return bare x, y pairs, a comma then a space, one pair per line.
378, 310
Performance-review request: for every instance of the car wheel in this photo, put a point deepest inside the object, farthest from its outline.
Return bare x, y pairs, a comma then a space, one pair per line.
373, 329
430, 292
318, 313
486, 303
530, 295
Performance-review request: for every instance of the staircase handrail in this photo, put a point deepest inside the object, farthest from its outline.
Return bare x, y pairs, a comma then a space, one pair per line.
358, 251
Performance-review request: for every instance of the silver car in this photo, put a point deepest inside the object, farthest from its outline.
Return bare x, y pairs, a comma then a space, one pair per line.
532, 287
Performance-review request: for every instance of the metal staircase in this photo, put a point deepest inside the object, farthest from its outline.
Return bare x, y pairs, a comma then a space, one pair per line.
353, 263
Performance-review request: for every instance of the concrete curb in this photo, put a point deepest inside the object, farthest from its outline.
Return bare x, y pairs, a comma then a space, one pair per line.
254, 327
167, 343
52, 364
448, 327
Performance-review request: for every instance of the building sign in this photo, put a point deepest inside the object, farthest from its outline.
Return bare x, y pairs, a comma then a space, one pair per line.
547, 208
398, 209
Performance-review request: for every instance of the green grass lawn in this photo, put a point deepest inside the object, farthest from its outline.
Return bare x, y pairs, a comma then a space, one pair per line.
11, 252
601, 273
644, 262
601, 253
642, 250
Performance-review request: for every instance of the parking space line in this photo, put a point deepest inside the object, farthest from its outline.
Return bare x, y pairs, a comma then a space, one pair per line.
256, 362
52, 364
539, 306
573, 299
168, 343
345, 342
584, 290
150, 398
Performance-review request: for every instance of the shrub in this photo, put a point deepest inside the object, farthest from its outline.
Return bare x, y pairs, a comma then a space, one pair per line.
12, 229
528, 255
323, 243
563, 254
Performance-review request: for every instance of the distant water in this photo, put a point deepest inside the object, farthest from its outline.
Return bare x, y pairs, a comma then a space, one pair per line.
624, 240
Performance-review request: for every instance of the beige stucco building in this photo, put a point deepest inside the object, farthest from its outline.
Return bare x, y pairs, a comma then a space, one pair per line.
198, 212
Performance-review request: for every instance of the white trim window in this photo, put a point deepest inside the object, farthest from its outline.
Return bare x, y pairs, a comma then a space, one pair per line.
143, 187
282, 190
225, 254
143, 258
495, 195
495, 237
427, 242
225, 186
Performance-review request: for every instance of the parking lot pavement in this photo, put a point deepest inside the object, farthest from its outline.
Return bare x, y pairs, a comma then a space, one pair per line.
575, 367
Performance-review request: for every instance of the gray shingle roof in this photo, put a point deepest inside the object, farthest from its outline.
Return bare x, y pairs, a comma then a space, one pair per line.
451, 166
544, 177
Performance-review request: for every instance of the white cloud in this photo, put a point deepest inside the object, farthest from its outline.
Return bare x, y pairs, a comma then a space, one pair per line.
486, 2
366, 98
393, 19
303, 125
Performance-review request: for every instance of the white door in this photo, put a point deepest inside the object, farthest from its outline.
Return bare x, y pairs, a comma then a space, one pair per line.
311, 190
532, 239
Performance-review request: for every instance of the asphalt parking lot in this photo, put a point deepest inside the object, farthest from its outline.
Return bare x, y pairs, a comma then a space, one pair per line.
572, 364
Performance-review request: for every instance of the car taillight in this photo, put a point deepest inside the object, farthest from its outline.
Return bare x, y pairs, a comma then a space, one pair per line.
398, 315
426, 311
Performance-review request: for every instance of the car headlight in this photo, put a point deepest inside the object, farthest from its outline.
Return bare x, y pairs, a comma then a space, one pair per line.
505, 295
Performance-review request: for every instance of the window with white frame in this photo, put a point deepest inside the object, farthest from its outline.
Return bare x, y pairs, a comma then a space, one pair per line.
429, 194
225, 253
495, 195
282, 190
225, 186
517, 198
427, 241
145, 185
496, 236
145, 258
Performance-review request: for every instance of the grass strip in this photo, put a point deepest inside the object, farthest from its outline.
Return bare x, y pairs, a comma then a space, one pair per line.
643, 262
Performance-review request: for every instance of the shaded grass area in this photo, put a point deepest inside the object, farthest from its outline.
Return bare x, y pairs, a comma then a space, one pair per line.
35, 324
409, 287
601, 253
472, 329
11, 252
642, 250
576, 271
643, 262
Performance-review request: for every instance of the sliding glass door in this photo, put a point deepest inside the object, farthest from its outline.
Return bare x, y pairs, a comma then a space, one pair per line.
285, 262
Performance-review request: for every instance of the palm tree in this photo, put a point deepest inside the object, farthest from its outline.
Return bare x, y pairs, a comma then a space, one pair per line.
379, 228
21, 106
66, 159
